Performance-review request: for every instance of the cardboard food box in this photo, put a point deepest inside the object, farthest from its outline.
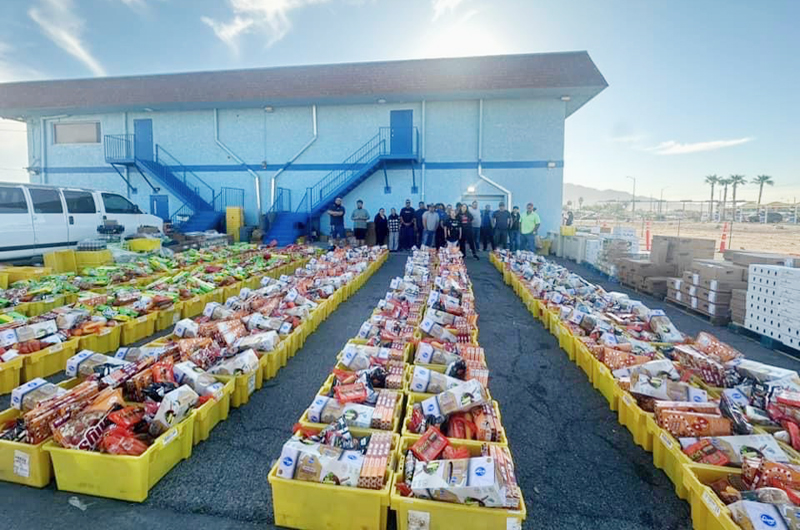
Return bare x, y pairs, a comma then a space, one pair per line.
460, 398
754, 515
737, 447
709, 269
461, 481
328, 410
745, 258
314, 462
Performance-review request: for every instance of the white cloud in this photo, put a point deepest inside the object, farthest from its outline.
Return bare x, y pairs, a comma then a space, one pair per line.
675, 148
10, 71
629, 139
62, 26
269, 16
440, 7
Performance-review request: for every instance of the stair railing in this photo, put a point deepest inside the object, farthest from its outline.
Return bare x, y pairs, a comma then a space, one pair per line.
182, 173
118, 147
228, 196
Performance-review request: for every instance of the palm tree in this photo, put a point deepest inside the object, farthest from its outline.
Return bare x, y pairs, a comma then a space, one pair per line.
726, 183
736, 181
761, 180
713, 180
580, 203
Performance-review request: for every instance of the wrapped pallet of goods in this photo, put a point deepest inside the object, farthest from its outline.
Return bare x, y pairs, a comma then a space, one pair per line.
725, 429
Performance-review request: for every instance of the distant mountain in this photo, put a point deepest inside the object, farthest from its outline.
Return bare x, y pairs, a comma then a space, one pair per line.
593, 196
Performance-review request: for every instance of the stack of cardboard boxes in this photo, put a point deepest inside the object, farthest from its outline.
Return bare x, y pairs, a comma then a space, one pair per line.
669, 257
707, 287
773, 303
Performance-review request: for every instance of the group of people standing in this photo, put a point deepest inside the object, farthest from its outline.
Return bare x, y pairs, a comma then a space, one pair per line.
437, 225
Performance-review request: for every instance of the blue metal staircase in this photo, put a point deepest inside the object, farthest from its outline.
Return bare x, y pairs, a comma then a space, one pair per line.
203, 208
389, 145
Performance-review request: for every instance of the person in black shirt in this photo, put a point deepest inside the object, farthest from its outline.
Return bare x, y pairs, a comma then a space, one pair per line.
452, 229
513, 232
336, 212
381, 227
465, 218
407, 218
418, 220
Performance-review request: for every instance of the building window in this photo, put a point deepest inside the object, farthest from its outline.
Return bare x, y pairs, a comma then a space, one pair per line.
79, 202
45, 201
86, 132
12, 200
118, 204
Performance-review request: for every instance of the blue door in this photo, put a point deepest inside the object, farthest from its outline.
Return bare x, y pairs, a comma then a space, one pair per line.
402, 129
143, 143
159, 206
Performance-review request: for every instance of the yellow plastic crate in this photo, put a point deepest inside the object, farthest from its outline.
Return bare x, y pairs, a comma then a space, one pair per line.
16, 274
708, 511
334, 507
3, 280
604, 382
138, 329
568, 230
543, 313
208, 415
215, 296
48, 361
244, 385
192, 307
167, 318
635, 419
144, 244
446, 515
61, 261
43, 306
93, 258
21, 463
585, 359
103, 342
270, 364
231, 290
10, 373
566, 341
127, 478
668, 456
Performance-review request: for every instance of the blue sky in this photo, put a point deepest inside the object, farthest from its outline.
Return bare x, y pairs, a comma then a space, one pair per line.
696, 87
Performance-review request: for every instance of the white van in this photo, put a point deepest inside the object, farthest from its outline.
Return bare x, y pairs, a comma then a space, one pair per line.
37, 219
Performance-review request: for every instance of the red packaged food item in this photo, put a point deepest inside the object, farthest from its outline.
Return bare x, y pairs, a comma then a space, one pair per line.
86, 430
451, 453
787, 397
355, 393
127, 417
706, 453
162, 372
344, 377
121, 442
430, 445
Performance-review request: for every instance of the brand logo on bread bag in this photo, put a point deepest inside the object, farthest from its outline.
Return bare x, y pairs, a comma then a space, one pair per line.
480, 471
352, 457
768, 520
288, 461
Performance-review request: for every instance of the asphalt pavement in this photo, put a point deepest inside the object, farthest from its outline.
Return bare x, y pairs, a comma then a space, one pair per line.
577, 466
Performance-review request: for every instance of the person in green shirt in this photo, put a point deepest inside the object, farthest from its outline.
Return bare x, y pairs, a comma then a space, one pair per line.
529, 226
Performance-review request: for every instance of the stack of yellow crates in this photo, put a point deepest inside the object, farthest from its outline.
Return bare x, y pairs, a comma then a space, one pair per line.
234, 220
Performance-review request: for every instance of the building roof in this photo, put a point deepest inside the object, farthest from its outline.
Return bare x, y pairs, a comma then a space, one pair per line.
571, 74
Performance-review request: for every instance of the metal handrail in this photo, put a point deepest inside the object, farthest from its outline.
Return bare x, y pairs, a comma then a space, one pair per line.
118, 147
224, 198
186, 209
173, 165
283, 201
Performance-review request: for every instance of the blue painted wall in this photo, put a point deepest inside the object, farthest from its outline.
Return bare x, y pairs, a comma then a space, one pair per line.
520, 137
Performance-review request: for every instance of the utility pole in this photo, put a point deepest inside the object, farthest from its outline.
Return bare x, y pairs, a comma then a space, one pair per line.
633, 199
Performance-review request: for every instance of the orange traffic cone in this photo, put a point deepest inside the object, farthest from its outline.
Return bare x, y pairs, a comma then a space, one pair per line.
723, 242
647, 236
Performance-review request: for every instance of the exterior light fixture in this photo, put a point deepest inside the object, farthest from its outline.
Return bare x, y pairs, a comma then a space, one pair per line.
565, 98
268, 109
381, 101
471, 189
147, 109
551, 165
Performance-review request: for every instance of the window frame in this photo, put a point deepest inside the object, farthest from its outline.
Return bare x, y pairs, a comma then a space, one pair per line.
31, 192
24, 201
105, 194
91, 195
98, 129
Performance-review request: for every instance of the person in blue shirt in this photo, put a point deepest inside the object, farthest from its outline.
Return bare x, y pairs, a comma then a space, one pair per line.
418, 219
487, 238
440, 239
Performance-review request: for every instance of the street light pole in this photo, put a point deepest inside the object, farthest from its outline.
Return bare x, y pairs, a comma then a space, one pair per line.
661, 200
633, 200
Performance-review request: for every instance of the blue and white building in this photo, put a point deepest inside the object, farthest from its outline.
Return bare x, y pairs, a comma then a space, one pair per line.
286, 141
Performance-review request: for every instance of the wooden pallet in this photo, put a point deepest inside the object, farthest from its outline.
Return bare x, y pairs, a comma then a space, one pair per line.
714, 320
764, 340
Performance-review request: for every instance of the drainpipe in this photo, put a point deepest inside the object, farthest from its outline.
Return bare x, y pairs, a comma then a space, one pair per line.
480, 155
274, 182
233, 155
43, 124
423, 151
